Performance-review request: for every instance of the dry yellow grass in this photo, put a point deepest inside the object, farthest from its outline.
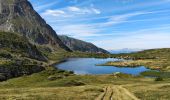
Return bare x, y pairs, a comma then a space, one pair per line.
51, 93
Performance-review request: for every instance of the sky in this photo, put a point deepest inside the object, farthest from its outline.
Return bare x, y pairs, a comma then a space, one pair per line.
110, 24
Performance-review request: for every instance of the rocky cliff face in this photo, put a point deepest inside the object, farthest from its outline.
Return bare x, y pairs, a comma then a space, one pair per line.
20, 17
79, 45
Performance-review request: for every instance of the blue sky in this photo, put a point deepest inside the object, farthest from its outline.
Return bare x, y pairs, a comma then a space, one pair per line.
110, 24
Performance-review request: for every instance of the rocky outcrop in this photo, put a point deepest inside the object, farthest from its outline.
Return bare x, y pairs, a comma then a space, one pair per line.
11, 71
19, 16
18, 57
79, 45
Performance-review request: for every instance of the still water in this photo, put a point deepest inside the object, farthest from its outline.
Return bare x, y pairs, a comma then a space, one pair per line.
88, 66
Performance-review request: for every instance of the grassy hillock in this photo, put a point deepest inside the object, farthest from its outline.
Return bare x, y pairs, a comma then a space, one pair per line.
158, 59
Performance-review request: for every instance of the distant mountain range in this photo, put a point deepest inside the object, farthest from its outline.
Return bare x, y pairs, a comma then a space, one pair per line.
125, 50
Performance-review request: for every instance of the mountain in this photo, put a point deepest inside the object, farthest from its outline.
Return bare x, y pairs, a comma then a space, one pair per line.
19, 16
125, 50
79, 45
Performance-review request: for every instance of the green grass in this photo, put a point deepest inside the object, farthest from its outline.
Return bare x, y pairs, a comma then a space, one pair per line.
156, 74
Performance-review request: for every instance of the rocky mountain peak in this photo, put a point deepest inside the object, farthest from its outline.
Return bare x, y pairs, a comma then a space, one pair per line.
20, 17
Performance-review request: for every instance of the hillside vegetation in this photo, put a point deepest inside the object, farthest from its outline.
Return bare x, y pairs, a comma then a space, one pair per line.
18, 56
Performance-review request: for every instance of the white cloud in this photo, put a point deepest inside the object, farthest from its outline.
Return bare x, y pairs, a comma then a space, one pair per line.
72, 8
71, 11
53, 13
97, 11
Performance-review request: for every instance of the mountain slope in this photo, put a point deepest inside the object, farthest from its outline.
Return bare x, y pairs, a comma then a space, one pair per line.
18, 56
78, 45
20, 17
17, 44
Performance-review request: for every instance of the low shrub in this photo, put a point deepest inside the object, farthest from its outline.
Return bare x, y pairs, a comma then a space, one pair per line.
2, 77
73, 83
52, 78
159, 79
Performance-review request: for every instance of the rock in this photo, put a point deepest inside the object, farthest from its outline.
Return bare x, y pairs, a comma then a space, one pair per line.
116, 73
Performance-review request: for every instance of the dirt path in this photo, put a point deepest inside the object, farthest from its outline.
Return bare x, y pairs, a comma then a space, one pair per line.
116, 93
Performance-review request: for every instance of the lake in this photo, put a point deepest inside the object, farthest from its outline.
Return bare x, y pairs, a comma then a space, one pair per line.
88, 66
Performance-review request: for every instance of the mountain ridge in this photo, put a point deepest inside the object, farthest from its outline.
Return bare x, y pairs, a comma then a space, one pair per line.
79, 45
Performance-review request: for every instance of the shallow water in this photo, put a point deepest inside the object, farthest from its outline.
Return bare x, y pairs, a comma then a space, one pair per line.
88, 66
